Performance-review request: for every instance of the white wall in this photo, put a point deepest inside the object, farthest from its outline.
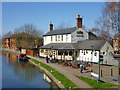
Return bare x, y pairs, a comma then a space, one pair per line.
75, 38
88, 56
108, 56
47, 39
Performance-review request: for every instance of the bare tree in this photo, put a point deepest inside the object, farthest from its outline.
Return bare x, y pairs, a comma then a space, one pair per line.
63, 25
110, 17
30, 29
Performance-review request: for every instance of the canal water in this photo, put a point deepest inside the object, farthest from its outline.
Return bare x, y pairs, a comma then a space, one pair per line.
17, 74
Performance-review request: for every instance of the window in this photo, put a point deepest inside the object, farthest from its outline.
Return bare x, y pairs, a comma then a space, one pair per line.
70, 53
59, 53
76, 53
61, 37
95, 54
66, 53
66, 37
92, 52
103, 53
82, 51
51, 38
79, 32
42, 51
56, 38
86, 51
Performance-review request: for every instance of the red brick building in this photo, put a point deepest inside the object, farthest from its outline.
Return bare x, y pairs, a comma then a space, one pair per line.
10, 42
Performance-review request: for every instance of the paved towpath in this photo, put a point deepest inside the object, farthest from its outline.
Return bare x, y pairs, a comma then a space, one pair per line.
67, 71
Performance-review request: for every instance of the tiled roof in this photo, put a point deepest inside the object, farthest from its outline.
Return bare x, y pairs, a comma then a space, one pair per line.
59, 46
86, 44
61, 31
91, 44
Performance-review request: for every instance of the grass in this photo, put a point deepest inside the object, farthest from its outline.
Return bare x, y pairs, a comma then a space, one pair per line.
64, 80
94, 83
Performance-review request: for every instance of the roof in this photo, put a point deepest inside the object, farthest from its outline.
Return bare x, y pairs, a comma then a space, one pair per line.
91, 33
91, 44
86, 44
61, 31
60, 46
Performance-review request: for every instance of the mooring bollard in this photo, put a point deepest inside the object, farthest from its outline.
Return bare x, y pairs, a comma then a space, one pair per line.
111, 72
101, 72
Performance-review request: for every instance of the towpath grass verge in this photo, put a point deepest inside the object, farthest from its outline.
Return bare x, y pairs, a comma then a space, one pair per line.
94, 83
64, 80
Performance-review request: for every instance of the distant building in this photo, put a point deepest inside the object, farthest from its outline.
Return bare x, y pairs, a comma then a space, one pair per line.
116, 44
76, 44
10, 42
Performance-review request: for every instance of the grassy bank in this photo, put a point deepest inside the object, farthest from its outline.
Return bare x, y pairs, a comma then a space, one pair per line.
64, 80
94, 83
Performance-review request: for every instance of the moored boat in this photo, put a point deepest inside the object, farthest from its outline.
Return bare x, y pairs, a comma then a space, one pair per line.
23, 57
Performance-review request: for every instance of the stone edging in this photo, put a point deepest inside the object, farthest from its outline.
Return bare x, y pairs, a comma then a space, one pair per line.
57, 82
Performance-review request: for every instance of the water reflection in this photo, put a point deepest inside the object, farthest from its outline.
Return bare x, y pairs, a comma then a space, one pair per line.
24, 70
24, 73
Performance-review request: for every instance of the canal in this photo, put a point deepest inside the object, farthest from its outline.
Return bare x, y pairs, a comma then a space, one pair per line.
17, 74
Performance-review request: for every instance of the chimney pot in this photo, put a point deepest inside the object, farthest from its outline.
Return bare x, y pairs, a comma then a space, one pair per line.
78, 22
78, 16
51, 26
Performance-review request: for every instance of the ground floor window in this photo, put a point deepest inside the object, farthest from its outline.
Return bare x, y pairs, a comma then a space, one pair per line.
66, 53
95, 54
60, 52
70, 53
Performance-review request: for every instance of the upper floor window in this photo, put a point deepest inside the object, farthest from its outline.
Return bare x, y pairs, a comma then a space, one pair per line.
66, 37
61, 37
51, 38
56, 38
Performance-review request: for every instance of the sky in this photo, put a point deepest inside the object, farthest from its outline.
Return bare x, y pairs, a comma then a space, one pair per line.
16, 14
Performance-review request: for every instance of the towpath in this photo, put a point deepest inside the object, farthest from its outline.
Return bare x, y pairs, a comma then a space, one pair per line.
67, 71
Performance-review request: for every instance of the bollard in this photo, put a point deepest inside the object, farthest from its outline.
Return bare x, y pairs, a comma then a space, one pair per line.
101, 72
111, 72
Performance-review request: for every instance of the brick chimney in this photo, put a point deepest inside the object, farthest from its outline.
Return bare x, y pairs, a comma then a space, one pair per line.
78, 22
50, 26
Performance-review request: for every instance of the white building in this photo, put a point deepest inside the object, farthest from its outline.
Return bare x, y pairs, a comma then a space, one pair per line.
75, 44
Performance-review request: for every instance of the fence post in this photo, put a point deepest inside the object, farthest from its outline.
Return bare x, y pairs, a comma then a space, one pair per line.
101, 72
111, 72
